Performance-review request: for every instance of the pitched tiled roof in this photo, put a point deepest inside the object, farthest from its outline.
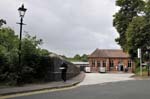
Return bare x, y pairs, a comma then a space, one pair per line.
109, 53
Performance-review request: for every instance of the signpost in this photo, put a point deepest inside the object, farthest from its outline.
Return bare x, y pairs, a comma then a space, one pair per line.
148, 62
140, 57
148, 69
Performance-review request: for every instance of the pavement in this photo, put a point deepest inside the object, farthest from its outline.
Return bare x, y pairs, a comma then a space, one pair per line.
100, 78
141, 77
80, 80
133, 89
38, 87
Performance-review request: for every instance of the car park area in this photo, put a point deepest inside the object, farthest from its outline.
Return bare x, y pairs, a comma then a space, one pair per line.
99, 78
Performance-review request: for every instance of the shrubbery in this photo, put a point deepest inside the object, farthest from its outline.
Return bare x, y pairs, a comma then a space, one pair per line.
33, 58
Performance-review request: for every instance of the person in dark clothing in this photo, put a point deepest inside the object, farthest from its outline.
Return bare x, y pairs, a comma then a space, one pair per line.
64, 68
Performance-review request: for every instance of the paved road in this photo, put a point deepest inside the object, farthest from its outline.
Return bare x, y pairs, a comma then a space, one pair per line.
98, 78
133, 89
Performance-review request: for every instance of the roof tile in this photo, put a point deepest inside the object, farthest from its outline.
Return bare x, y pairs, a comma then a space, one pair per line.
109, 53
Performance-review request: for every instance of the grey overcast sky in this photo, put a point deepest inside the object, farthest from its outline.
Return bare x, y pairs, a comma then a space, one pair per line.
67, 27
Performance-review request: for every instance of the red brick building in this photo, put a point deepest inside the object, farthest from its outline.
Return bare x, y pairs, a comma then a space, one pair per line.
111, 59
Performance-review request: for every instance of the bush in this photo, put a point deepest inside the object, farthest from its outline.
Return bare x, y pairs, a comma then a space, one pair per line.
33, 58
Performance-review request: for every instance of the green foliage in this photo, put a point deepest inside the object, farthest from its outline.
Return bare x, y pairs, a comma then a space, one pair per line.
128, 10
8, 54
147, 10
2, 22
77, 57
137, 36
33, 56
132, 22
144, 71
84, 58
34, 60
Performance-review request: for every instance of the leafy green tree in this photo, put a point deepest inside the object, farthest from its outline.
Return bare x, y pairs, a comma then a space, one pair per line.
2, 22
128, 10
137, 35
8, 54
77, 57
84, 58
29, 49
32, 59
147, 11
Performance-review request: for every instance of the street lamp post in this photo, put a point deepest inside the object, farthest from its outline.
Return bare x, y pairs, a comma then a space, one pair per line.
22, 11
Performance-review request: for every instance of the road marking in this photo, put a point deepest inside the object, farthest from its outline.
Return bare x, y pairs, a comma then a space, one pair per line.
36, 92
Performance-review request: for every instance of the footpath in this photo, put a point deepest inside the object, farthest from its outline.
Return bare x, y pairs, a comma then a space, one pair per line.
38, 87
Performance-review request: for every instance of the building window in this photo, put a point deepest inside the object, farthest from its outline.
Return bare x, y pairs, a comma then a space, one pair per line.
111, 63
129, 63
93, 63
104, 63
98, 63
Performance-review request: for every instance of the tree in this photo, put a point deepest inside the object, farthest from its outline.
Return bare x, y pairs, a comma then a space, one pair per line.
84, 58
137, 35
34, 59
2, 22
8, 43
128, 10
77, 57
8, 54
147, 11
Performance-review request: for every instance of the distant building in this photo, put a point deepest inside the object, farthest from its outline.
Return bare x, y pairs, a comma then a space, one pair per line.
81, 65
111, 59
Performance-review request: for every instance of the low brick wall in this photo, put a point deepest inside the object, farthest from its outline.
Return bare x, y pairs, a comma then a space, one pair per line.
54, 73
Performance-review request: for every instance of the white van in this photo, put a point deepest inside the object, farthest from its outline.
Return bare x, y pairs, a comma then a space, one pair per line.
102, 69
87, 69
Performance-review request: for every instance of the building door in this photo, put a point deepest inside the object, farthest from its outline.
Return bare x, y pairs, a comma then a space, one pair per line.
121, 67
82, 68
111, 65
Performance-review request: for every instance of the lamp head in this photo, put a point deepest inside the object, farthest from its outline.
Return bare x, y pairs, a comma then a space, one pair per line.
22, 11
